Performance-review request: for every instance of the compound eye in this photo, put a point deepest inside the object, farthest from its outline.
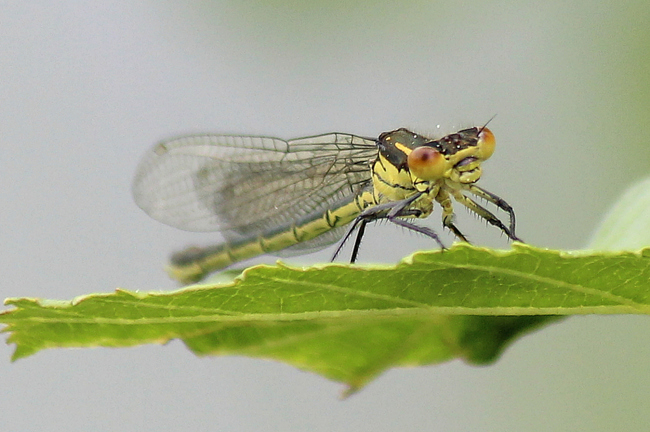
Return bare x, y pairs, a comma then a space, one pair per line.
427, 163
486, 144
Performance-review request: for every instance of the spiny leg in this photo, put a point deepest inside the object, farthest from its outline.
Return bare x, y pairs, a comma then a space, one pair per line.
347, 235
422, 230
391, 211
482, 212
399, 209
499, 202
379, 211
448, 215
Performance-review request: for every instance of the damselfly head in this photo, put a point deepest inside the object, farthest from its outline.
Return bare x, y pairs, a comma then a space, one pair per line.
466, 150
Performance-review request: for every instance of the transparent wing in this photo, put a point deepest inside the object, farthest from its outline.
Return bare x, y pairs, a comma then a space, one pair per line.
246, 186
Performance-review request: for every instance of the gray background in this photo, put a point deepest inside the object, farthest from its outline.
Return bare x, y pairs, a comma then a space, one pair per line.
87, 87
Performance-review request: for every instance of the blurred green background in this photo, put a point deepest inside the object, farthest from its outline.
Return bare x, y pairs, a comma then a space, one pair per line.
87, 88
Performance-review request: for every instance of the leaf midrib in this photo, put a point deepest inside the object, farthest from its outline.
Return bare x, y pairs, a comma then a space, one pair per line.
352, 315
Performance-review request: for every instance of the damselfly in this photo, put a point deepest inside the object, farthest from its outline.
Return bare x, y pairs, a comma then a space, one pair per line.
268, 195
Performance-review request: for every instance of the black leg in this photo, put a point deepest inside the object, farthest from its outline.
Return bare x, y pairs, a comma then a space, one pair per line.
393, 211
357, 241
483, 212
368, 215
353, 226
499, 202
422, 230
448, 221
444, 200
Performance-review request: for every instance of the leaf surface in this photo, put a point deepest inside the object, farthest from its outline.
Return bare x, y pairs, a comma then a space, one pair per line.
350, 323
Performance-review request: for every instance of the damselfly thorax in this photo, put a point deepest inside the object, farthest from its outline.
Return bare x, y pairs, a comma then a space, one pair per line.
267, 195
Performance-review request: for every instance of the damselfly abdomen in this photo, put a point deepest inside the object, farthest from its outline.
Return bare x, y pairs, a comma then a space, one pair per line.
268, 195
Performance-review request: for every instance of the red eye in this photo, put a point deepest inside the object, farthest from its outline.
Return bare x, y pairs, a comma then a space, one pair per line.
486, 144
427, 163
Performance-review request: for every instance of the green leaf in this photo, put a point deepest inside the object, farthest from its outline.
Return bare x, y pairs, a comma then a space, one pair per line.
350, 323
